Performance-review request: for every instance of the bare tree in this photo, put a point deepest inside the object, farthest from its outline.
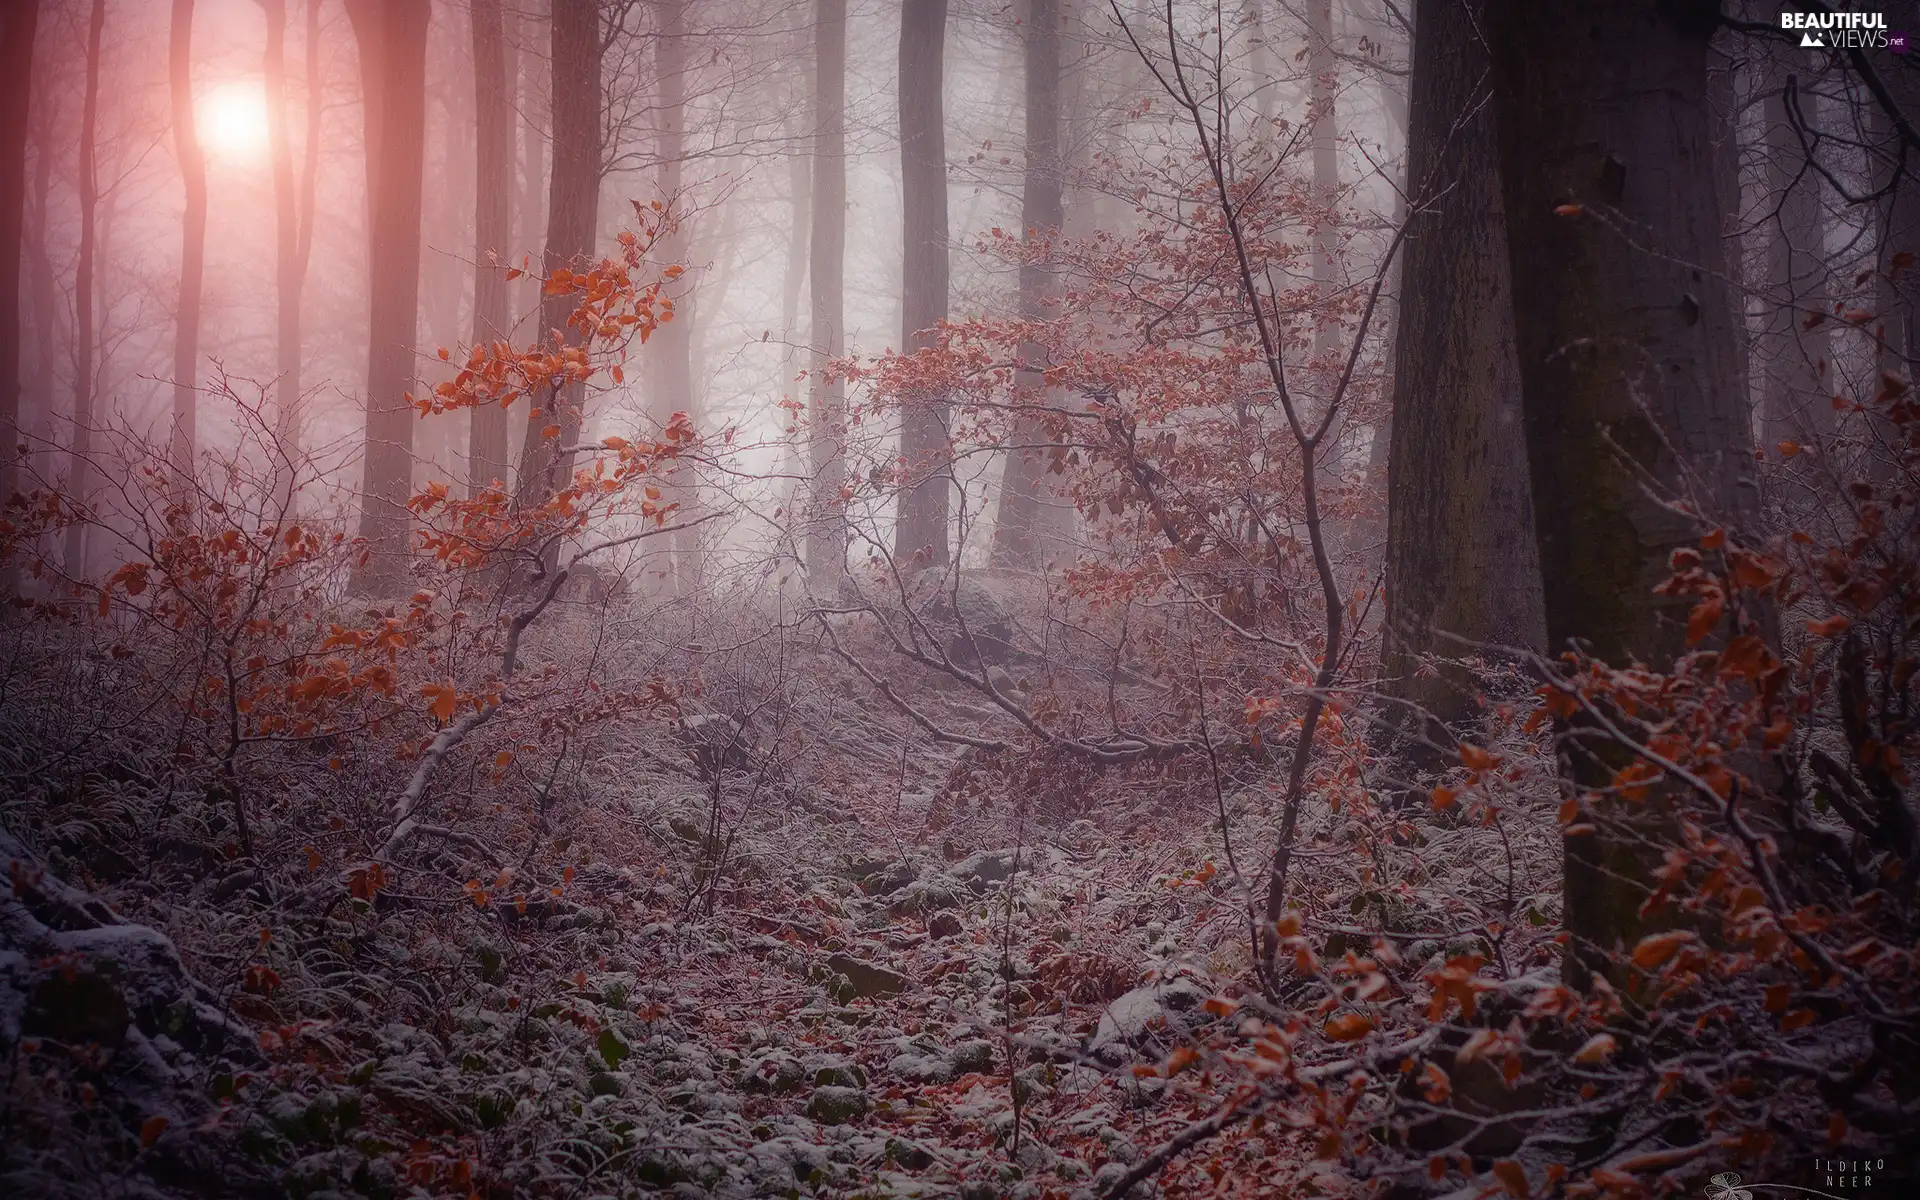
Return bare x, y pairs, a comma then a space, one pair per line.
16, 91
670, 358
1016, 540
1625, 329
493, 220
1461, 566
292, 205
193, 235
827, 253
79, 486
921, 532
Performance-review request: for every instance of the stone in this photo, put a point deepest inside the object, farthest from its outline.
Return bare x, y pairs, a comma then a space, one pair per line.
974, 1056
944, 925
1144, 1014
868, 980
837, 1105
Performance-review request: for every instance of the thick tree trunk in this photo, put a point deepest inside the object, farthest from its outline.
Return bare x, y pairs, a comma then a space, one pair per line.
1323, 132
1017, 525
392, 35
16, 92
1626, 353
1461, 565
492, 223
1898, 287
826, 272
921, 534
1797, 385
79, 482
288, 271
799, 222
36, 413
670, 356
573, 206
193, 238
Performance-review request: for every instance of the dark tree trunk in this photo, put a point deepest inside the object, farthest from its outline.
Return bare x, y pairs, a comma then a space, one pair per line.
670, 356
1461, 566
573, 206
921, 533
1017, 526
492, 223
79, 482
1797, 384
1323, 133
1898, 287
289, 271
193, 238
826, 271
16, 92
392, 35
1626, 352
36, 414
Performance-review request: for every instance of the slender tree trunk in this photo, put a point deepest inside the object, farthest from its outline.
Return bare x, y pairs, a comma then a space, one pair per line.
1323, 132
573, 205
79, 482
670, 357
1796, 389
310, 153
36, 420
826, 272
799, 205
16, 93
921, 533
492, 221
393, 58
1016, 530
288, 273
1626, 355
1460, 553
193, 238
1899, 231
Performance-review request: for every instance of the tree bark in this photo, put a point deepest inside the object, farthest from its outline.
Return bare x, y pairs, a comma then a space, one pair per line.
288, 270
16, 93
1323, 133
920, 533
392, 35
1626, 355
1461, 564
36, 419
670, 356
79, 482
1797, 385
573, 206
193, 239
492, 223
826, 273
1017, 525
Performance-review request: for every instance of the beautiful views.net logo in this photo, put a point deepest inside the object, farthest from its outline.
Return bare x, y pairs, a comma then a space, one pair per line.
1838, 30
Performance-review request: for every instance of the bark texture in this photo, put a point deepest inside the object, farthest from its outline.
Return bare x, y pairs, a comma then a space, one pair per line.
1626, 350
16, 91
921, 532
79, 481
492, 222
826, 273
393, 58
193, 237
1461, 564
1018, 524
1797, 382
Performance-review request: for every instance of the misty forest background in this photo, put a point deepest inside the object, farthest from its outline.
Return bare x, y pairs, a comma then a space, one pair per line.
949, 598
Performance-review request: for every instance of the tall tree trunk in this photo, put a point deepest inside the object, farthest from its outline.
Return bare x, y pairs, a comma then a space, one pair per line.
1899, 230
921, 534
670, 357
36, 419
193, 238
16, 93
800, 218
573, 206
79, 483
1797, 386
288, 271
1460, 553
1016, 529
1626, 354
492, 221
392, 35
1323, 132
826, 272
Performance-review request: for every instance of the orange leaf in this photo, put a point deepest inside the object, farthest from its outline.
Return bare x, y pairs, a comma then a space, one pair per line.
441, 699
1787, 447
503, 758
1657, 948
151, 1129
1705, 617
1832, 626
1477, 758
1599, 1048
1349, 1027
1513, 1177
1567, 210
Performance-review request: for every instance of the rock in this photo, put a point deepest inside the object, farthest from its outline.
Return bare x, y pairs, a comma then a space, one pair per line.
911, 1155
986, 867
974, 1057
944, 925
836, 1070
837, 1105
773, 1071
867, 979
882, 878
1146, 1014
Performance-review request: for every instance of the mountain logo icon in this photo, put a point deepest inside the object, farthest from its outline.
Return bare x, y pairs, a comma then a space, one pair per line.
1811, 41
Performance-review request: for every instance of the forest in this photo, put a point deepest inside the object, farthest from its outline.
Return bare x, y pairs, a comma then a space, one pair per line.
1048, 599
